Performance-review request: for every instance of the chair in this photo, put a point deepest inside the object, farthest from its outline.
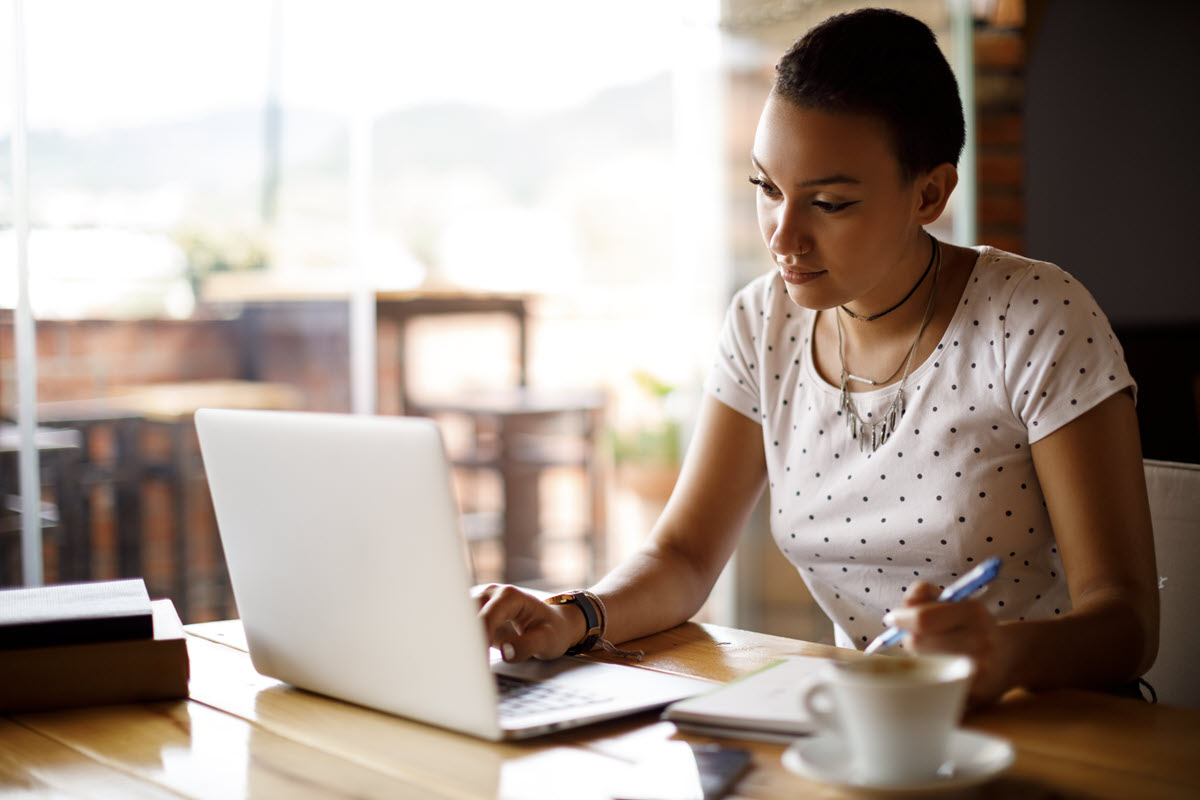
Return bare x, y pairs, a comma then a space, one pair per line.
60, 520
517, 434
1175, 513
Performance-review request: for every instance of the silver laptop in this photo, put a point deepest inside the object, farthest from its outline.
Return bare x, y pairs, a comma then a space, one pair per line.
351, 579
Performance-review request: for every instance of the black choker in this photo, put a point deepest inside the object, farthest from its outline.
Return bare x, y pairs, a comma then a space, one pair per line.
903, 300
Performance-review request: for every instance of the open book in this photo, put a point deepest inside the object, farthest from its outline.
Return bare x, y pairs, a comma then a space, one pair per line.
763, 704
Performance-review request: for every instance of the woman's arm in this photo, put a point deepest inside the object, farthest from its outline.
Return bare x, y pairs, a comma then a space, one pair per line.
667, 580
1094, 483
1092, 478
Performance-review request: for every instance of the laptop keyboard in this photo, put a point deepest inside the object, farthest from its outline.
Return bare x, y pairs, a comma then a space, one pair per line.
519, 697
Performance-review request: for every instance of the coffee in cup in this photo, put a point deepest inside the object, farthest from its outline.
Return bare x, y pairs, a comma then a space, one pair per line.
895, 714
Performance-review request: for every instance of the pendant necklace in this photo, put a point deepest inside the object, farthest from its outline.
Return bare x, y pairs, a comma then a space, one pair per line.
878, 431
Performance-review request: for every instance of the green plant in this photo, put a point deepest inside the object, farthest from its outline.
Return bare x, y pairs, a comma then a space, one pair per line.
655, 441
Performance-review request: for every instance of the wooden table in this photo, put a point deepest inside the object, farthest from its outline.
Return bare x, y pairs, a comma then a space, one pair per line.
243, 735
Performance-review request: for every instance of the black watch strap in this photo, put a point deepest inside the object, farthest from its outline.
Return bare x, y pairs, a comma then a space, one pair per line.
591, 616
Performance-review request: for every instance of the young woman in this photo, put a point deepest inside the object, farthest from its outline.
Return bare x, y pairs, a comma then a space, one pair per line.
913, 407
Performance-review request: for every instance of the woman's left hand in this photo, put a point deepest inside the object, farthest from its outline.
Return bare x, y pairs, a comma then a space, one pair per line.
964, 628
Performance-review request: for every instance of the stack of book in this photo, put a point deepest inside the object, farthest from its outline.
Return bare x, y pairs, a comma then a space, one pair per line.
89, 644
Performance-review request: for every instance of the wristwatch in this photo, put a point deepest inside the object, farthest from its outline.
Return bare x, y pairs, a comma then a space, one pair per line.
591, 616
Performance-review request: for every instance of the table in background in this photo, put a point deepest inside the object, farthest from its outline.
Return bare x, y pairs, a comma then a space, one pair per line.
243, 735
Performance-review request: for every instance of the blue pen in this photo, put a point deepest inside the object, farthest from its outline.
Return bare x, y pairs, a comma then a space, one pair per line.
961, 589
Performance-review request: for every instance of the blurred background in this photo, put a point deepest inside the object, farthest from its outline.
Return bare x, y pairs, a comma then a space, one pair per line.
523, 219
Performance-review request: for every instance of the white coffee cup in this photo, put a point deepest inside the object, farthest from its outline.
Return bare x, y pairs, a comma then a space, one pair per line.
895, 714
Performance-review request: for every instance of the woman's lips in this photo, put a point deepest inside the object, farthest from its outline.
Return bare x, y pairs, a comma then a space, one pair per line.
795, 276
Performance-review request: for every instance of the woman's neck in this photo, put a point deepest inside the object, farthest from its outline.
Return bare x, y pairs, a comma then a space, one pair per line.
934, 258
902, 316
873, 349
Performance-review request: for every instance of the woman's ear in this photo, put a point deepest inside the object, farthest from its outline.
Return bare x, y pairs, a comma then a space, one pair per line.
934, 190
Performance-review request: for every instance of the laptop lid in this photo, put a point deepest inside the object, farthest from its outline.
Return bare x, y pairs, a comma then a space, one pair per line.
340, 534
350, 573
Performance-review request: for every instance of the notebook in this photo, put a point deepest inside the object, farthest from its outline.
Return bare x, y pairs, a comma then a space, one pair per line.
350, 576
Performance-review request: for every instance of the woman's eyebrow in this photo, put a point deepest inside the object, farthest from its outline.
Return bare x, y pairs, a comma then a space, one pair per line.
825, 181
830, 179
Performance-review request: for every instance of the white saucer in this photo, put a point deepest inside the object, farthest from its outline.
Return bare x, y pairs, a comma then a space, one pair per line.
974, 758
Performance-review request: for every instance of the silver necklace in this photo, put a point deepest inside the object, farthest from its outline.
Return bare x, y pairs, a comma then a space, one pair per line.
879, 430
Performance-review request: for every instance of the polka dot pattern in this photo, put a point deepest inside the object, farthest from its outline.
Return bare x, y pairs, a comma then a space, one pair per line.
955, 484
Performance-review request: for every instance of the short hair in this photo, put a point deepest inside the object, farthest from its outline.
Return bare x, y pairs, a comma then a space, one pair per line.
887, 65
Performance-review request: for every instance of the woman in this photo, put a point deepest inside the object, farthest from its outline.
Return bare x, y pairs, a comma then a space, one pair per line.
914, 407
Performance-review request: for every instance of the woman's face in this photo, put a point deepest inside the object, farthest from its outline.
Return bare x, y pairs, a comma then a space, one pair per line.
833, 210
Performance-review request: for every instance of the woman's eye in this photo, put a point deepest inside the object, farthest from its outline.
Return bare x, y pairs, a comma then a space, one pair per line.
764, 187
832, 208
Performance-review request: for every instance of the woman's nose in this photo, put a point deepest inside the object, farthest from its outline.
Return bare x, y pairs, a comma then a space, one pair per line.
789, 235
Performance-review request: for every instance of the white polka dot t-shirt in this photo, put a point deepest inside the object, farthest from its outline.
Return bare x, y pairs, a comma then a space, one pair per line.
1027, 351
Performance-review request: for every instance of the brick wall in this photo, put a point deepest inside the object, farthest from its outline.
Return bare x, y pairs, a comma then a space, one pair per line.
1000, 127
78, 359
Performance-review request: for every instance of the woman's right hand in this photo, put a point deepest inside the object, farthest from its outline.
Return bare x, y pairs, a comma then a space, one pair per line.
524, 626
666, 580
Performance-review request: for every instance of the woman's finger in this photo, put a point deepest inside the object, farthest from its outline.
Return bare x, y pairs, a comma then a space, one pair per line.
508, 611
482, 593
929, 619
921, 592
541, 642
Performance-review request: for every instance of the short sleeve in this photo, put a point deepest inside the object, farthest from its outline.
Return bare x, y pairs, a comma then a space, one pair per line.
1061, 358
734, 377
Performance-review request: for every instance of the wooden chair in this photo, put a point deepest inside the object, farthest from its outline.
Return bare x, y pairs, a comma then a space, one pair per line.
60, 519
1175, 512
517, 434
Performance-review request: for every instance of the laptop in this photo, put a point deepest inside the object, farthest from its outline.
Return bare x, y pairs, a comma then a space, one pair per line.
351, 578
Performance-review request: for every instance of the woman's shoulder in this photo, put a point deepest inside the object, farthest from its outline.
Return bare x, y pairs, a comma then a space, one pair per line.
1028, 286
1044, 312
1000, 267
